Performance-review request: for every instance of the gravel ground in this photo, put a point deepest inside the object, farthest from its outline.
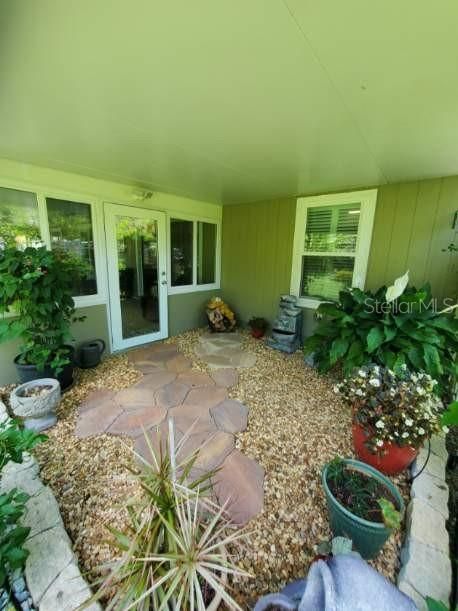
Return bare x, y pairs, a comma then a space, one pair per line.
296, 424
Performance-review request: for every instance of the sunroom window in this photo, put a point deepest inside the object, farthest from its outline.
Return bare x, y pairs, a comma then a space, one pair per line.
331, 245
19, 219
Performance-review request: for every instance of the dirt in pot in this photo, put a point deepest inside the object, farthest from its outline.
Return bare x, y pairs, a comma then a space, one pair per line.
361, 494
36, 391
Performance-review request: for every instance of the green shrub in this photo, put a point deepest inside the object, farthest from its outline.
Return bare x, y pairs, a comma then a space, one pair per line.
364, 327
37, 284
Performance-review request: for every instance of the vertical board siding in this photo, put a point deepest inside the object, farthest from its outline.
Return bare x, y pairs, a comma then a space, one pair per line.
412, 227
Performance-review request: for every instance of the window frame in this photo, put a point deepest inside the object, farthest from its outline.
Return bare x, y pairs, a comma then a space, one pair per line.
367, 200
194, 287
81, 301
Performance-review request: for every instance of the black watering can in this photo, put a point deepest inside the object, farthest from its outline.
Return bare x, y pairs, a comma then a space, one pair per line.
90, 353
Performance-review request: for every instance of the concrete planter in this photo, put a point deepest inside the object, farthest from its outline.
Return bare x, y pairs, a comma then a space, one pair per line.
38, 411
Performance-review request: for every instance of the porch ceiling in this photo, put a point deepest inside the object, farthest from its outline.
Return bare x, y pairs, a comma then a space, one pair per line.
232, 100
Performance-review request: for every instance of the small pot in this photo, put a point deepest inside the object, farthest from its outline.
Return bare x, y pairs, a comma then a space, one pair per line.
28, 372
368, 537
90, 353
38, 412
391, 460
257, 333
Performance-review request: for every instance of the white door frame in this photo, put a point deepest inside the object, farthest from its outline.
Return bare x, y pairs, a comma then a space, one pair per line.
111, 212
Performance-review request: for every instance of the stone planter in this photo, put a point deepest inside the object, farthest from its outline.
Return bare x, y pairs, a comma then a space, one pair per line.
37, 411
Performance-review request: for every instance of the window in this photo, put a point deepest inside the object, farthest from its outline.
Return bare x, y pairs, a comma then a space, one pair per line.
193, 255
19, 218
70, 230
331, 245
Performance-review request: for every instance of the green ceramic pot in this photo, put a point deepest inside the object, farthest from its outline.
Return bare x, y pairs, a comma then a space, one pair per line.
368, 537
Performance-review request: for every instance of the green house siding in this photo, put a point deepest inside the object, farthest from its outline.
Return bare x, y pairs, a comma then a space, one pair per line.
413, 223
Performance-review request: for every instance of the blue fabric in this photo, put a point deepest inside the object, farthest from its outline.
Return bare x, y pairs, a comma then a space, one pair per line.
342, 583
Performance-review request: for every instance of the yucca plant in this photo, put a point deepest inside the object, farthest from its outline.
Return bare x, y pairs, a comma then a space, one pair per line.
176, 549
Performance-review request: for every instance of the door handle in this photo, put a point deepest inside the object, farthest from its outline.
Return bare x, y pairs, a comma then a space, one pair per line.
163, 282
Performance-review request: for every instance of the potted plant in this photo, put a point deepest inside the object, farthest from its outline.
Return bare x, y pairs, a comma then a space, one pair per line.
393, 414
36, 285
363, 504
258, 326
35, 403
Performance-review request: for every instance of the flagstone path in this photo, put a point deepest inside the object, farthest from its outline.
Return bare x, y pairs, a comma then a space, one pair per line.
201, 410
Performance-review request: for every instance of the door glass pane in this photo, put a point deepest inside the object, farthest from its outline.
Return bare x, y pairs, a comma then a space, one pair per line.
181, 255
323, 277
19, 225
206, 252
137, 246
70, 229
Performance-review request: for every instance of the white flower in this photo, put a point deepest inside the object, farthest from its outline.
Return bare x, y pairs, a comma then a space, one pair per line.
445, 429
374, 382
336, 389
409, 421
420, 390
396, 433
380, 424
421, 430
414, 378
362, 374
405, 434
379, 443
359, 392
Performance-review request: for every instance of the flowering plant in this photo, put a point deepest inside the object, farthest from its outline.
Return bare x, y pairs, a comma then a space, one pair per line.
398, 408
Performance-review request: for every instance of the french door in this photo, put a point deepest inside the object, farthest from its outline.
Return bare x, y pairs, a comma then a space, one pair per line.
137, 277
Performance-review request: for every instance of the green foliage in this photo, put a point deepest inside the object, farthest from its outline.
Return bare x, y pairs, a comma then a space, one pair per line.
176, 546
436, 605
364, 327
450, 416
14, 441
257, 322
37, 284
361, 494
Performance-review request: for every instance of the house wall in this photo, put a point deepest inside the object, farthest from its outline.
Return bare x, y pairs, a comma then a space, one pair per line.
413, 223
185, 310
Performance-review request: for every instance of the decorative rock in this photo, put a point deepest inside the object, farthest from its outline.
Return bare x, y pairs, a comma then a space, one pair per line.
23, 475
426, 569
68, 592
405, 587
432, 491
207, 396
427, 525
230, 416
239, 483
225, 377
172, 394
133, 422
435, 466
42, 512
195, 379
97, 420
438, 446
156, 379
134, 398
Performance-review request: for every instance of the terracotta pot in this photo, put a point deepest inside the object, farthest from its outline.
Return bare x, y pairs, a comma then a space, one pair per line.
257, 333
392, 459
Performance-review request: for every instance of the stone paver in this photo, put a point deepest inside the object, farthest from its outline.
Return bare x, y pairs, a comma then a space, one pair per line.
230, 416
134, 421
226, 377
427, 569
432, 491
239, 483
204, 418
172, 394
427, 525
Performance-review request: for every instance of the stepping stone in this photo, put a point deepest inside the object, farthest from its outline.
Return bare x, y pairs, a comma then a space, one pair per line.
192, 419
156, 379
96, 398
147, 366
230, 416
243, 359
220, 339
134, 422
207, 396
135, 398
172, 394
240, 483
225, 377
194, 379
158, 437
178, 364
214, 450
96, 421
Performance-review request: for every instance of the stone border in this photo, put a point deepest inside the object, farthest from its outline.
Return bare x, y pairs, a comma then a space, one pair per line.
425, 557
51, 571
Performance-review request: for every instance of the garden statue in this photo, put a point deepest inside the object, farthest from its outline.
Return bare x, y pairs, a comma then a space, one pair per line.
287, 327
220, 317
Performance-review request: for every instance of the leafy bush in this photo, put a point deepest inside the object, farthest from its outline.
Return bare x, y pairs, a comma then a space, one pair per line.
14, 441
175, 550
365, 327
37, 284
